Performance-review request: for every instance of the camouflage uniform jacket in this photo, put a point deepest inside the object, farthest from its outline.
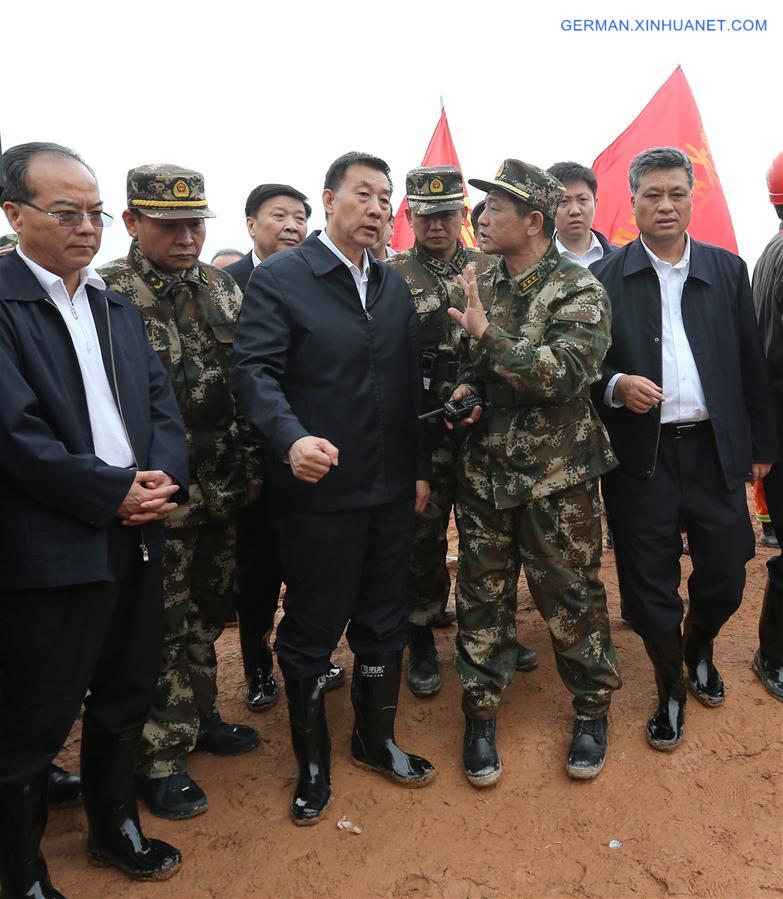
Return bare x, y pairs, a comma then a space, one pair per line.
191, 318
549, 331
433, 286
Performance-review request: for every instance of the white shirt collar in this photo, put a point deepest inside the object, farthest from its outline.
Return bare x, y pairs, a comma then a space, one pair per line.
562, 248
50, 281
661, 266
324, 238
254, 257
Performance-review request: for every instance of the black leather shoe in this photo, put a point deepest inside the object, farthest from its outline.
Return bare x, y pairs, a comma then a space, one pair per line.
23, 813
480, 757
312, 748
770, 675
666, 727
702, 676
335, 677
374, 693
261, 693
174, 797
423, 673
65, 789
527, 659
221, 738
114, 835
444, 618
587, 753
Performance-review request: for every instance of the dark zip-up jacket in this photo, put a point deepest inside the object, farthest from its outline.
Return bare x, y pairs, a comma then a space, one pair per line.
308, 360
57, 498
719, 321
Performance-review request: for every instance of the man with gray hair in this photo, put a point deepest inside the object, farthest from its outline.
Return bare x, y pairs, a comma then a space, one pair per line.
685, 398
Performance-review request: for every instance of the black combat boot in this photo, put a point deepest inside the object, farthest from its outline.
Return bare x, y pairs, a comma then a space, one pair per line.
65, 789
312, 748
702, 676
768, 660
261, 691
480, 757
335, 676
108, 764
666, 727
526, 658
587, 753
375, 690
23, 812
423, 673
221, 738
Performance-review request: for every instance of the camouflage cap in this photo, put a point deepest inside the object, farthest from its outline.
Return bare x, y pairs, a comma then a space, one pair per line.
434, 188
164, 191
526, 182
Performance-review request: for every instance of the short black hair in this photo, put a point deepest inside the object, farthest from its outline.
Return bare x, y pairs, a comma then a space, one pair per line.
336, 172
658, 158
779, 210
523, 209
259, 195
475, 214
16, 163
571, 172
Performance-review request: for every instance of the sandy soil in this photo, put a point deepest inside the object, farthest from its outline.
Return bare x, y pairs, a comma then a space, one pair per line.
703, 821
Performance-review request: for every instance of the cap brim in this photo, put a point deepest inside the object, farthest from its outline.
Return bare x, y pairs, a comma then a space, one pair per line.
487, 186
431, 208
203, 213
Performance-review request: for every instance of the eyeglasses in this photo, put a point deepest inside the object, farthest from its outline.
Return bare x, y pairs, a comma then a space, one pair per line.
72, 218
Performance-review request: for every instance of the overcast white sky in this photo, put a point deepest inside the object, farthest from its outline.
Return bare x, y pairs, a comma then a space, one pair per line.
274, 91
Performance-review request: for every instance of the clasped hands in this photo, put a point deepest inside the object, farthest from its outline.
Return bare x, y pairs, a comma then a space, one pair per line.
148, 498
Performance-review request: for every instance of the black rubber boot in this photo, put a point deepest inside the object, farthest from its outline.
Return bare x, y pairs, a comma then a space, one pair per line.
65, 789
335, 676
587, 753
768, 660
702, 677
261, 692
480, 758
375, 690
312, 748
108, 765
666, 727
423, 673
23, 813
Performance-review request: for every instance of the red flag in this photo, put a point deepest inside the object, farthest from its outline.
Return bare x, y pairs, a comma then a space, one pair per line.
441, 151
670, 119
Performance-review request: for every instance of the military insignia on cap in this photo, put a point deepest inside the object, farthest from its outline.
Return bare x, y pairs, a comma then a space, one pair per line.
500, 170
181, 189
436, 186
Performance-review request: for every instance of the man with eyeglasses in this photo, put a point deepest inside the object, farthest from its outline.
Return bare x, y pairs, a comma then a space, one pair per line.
92, 458
191, 310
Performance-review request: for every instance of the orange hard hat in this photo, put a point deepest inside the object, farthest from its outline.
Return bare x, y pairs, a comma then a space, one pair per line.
775, 180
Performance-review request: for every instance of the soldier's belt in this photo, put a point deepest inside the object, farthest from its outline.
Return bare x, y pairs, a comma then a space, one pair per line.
499, 395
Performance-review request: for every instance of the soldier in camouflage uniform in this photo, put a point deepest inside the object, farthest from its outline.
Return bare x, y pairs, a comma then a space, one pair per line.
528, 481
437, 213
191, 311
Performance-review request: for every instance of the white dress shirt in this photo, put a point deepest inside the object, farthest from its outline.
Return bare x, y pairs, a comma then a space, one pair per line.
361, 277
108, 432
256, 260
594, 252
683, 396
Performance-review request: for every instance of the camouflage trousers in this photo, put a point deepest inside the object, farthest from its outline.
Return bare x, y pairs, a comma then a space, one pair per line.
428, 577
198, 566
558, 541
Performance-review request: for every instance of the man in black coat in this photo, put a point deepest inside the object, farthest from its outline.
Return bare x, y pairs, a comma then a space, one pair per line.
92, 458
687, 404
327, 369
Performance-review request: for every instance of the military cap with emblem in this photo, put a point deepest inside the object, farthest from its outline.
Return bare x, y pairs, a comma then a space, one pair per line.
434, 188
526, 182
165, 191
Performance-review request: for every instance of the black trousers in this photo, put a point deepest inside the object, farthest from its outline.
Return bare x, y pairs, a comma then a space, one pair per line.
57, 643
342, 567
773, 491
645, 517
259, 571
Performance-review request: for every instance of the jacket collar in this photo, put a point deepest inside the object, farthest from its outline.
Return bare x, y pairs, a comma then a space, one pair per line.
533, 276
636, 260
19, 283
322, 260
455, 265
158, 281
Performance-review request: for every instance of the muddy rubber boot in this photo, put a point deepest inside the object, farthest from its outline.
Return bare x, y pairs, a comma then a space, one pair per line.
375, 690
702, 677
114, 837
261, 691
312, 748
768, 659
423, 672
65, 789
666, 727
23, 814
